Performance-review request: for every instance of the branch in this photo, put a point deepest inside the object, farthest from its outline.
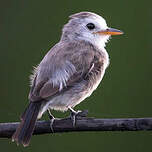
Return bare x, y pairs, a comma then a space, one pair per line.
82, 124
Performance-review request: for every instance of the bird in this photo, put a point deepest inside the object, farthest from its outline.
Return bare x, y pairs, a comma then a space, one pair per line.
69, 73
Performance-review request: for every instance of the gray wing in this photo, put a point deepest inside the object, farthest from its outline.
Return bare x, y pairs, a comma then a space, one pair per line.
62, 66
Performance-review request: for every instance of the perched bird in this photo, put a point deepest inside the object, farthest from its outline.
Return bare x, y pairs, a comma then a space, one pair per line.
69, 72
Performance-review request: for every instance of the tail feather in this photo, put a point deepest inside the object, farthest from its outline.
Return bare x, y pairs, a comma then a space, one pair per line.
28, 119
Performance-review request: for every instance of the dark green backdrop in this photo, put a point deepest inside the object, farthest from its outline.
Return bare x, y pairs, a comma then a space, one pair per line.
29, 28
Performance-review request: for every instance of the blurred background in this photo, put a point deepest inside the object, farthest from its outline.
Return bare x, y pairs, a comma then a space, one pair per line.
28, 29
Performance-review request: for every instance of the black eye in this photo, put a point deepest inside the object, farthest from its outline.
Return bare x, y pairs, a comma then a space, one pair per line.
90, 26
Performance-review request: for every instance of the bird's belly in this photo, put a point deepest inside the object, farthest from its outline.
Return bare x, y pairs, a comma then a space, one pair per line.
73, 96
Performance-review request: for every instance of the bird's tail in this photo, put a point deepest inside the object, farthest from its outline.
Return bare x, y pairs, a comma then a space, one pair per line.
25, 129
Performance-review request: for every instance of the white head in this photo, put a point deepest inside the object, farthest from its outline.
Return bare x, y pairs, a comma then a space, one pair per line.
89, 27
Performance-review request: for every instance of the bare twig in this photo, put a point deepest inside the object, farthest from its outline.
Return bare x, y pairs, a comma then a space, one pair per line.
82, 124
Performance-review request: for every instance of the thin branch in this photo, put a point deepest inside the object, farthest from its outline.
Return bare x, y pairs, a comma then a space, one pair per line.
82, 124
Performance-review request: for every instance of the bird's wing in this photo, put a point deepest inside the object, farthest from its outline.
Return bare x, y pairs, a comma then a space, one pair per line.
60, 69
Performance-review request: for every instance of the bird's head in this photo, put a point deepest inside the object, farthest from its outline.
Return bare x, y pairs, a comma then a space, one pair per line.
89, 27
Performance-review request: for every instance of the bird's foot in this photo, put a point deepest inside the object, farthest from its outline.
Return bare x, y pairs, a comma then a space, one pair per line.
51, 117
75, 114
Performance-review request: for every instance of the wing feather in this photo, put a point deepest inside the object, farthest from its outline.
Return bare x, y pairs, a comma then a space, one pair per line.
59, 70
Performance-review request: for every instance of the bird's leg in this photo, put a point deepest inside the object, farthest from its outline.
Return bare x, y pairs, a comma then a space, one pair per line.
51, 117
75, 114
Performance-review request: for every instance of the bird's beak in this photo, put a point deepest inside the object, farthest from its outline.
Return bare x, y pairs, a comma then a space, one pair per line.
110, 31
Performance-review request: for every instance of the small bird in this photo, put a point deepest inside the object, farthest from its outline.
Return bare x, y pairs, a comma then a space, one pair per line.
69, 72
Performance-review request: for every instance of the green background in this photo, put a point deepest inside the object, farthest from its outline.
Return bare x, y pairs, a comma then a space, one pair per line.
28, 29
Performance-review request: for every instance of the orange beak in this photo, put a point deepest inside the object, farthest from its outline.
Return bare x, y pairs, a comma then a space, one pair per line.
110, 31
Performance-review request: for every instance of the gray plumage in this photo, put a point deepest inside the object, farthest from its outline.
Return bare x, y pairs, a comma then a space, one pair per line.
70, 80
69, 72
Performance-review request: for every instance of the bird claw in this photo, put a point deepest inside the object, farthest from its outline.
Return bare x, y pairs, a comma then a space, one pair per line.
51, 117
75, 114
51, 124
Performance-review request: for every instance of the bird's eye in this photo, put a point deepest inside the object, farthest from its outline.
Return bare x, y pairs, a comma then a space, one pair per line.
90, 26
